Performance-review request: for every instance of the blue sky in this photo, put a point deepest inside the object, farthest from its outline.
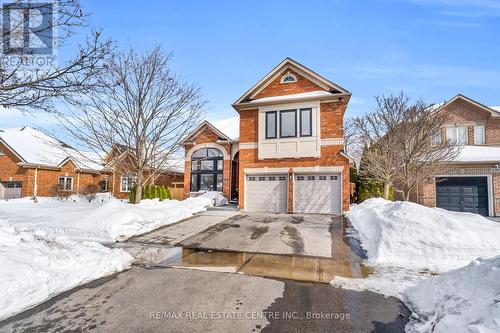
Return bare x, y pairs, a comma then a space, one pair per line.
431, 49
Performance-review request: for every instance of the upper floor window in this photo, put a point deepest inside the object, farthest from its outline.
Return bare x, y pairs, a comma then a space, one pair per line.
436, 138
1, 152
292, 123
479, 135
271, 125
66, 183
288, 78
288, 124
457, 135
305, 122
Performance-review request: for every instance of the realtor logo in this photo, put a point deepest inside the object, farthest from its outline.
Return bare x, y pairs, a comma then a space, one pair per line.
28, 33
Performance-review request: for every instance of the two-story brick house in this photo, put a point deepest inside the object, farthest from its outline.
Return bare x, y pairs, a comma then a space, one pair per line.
288, 153
471, 183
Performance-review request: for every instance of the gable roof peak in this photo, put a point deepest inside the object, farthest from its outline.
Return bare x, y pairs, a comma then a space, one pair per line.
493, 112
300, 69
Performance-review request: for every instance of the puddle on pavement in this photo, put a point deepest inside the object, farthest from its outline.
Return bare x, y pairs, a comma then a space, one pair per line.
301, 268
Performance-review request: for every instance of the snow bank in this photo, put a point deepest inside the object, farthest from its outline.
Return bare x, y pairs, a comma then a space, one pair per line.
107, 221
216, 197
462, 300
413, 236
37, 266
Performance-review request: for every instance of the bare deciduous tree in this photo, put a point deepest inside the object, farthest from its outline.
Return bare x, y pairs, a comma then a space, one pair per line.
398, 145
35, 87
141, 109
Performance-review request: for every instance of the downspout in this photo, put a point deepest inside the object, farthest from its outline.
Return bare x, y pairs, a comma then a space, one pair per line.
77, 183
35, 185
113, 188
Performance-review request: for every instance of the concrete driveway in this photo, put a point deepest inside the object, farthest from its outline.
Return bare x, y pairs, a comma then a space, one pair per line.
299, 234
180, 300
254, 288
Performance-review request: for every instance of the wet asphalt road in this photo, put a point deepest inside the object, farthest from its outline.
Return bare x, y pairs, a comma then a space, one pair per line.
140, 300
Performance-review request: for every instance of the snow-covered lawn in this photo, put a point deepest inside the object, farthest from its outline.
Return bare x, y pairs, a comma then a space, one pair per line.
408, 245
103, 220
36, 266
52, 246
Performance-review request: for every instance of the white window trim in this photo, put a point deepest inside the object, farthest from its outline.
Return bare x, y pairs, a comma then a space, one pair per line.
436, 138
483, 139
105, 181
316, 127
288, 75
456, 131
65, 183
122, 178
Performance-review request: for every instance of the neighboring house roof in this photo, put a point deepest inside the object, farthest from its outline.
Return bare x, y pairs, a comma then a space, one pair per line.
330, 87
35, 148
475, 154
227, 129
494, 111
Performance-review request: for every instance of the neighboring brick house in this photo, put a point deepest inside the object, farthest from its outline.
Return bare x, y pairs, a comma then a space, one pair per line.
35, 164
471, 183
286, 155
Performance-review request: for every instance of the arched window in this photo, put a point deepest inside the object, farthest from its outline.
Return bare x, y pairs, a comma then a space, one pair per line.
288, 78
206, 170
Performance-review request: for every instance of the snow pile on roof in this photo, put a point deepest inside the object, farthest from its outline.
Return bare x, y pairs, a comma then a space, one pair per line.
410, 235
100, 221
496, 108
292, 97
35, 147
462, 300
229, 126
478, 154
37, 266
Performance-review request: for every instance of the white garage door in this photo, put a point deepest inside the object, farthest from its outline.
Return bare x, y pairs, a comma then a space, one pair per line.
266, 193
317, 194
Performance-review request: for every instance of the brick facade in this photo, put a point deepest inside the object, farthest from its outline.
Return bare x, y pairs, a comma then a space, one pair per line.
276, 88
331, 115
331, 126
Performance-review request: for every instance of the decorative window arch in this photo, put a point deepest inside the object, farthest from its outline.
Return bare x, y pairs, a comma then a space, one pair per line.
288, 78
207, 166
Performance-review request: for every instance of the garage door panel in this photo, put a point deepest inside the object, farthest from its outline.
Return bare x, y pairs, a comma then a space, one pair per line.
266, 193
317, 194
463, 194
